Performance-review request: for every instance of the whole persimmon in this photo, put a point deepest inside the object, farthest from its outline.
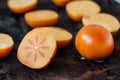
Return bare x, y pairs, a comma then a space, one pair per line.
94, 42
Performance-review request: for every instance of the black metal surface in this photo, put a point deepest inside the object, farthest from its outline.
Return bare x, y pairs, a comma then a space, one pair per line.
66, 65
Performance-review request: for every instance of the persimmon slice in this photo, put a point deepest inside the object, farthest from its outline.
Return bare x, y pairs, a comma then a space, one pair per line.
41, 18
22, 6
37, 49
106, 20
61, 3
62, 36
80, 8
6, 45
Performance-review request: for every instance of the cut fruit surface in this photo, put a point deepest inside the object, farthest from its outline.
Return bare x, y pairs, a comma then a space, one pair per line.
41, 18
62, 36
6, 45
36, 49
104, 19
21, 6
80, 8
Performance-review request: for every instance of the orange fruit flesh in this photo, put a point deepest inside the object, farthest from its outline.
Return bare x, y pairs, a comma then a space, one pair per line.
21, 6
41, 18
79, 8
6, 45
36, 49
62, 36
106, 20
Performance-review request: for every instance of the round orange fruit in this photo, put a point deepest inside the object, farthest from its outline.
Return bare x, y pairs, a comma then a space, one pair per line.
94, 42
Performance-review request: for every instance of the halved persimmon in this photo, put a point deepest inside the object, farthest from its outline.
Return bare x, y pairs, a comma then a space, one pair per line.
62, 36
37, 49
21, 6
108, 21
6, 45
60, 3
94, 42
79, 8
41, 18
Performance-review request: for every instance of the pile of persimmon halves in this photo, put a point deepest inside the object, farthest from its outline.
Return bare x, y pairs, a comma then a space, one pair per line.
94, 41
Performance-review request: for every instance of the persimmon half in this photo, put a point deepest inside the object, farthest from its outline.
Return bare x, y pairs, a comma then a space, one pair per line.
77, 9
21, 6
6, 45
60, 3
40, 18
62, 36
37, 49
108, 21
94, 42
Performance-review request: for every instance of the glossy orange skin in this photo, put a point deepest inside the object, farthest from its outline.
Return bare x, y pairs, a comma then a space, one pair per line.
61, 3
5, 52
94, 42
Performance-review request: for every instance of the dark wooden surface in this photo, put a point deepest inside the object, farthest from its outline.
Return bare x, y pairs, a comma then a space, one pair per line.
67, 64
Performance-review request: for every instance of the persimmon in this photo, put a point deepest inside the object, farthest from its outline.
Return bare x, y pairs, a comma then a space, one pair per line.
62, 36
37, 49
108, 21
60, 3
41, 18
94, 42
6, 45
21, 6
80, 8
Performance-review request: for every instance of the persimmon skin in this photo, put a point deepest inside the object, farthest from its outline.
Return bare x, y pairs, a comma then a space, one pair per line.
60, 3
5, 52
94, 42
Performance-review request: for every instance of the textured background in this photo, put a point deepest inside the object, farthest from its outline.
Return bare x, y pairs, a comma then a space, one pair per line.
66, 65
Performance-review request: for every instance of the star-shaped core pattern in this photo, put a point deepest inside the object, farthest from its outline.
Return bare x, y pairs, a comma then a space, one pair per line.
35, 48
